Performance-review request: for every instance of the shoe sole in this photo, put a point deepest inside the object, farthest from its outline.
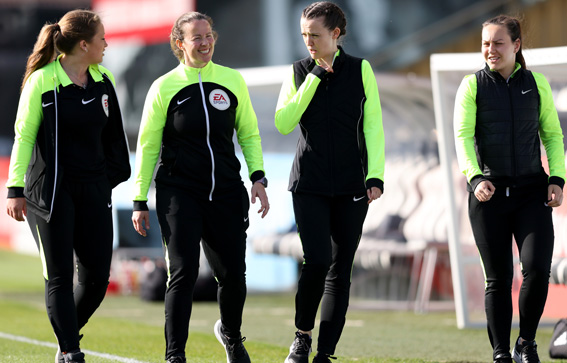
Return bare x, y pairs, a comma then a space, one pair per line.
218, 333
290, 361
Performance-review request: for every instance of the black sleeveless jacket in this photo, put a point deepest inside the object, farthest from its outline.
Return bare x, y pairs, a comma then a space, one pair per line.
506, 134
331, 157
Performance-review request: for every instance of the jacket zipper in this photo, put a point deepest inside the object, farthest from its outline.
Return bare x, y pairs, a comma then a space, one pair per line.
207, 121
330, 132
360, 118
512, 134
56, 149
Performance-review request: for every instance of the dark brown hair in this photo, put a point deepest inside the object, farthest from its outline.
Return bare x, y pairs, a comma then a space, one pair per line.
177, 30
333, 14
73, 27
514, 29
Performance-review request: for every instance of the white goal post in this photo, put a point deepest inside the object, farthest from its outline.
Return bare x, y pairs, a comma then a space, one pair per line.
447, 71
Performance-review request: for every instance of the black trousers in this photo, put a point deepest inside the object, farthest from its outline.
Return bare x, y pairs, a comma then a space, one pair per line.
330, 229
221, 224
524, 216
81, 222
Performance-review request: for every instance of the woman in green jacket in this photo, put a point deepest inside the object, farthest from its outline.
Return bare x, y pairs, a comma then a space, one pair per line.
70, 150
190, 116
501, 114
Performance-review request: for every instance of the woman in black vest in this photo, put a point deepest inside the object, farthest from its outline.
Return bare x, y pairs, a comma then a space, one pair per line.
501, 113
338, 170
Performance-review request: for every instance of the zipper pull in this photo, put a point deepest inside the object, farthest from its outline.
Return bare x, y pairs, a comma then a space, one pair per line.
507, 191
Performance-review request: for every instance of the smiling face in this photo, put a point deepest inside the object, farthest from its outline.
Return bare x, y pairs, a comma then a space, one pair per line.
198, 43
320, 41
499, 50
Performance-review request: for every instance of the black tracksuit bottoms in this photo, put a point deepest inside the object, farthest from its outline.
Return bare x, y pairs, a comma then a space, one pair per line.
524, 216
221, 224
82, 222
330, 229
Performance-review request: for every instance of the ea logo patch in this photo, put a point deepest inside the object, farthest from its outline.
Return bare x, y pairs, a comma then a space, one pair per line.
105, 104
219, 99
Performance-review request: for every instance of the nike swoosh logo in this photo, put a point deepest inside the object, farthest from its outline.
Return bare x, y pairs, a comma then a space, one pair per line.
109, 205
524, 92
46, 104
355, 199
85, 102
246, 219
180, 102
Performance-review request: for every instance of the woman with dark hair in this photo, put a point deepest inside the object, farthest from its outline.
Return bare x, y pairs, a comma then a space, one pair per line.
337, 172
69, 152
190, 116
501, 114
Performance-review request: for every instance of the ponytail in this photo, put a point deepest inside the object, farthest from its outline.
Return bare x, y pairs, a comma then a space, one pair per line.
62, 37
43, 51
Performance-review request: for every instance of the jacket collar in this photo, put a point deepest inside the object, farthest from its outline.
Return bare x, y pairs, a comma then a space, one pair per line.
497, 76
62, 77
191, 71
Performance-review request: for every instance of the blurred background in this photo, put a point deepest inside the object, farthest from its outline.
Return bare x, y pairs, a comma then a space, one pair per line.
403, 261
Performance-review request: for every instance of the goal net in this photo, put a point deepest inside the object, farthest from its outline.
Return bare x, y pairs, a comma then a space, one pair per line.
447, 71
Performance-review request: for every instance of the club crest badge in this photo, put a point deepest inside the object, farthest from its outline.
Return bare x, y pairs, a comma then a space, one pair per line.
105, 104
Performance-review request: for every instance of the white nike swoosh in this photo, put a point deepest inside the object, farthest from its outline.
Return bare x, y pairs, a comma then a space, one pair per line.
246, 219
89, 101
109, 205
46, 104
180, 102
357, 199
524, 92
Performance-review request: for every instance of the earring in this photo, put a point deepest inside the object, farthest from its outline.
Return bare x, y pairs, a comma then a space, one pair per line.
85, 49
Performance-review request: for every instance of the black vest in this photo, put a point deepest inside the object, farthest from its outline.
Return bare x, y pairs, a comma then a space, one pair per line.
331, 151
506, 133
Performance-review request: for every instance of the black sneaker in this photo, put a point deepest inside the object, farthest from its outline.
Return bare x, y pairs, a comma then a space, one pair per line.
503, 358
235, 351
75, 356
300, 349
177, 359
58, 356
323, 358
526, 352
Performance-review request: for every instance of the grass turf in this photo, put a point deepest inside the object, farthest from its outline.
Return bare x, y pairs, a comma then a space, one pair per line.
126, 326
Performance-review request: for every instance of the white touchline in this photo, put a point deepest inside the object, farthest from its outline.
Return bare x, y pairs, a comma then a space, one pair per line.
111, 357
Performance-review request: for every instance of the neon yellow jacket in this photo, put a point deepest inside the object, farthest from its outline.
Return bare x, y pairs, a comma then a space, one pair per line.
190, 116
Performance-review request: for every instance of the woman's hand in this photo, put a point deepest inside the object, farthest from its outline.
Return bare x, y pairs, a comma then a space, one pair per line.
141, 218
554, 195
259, 191
484, 191
16, 208
373, 194
326, 66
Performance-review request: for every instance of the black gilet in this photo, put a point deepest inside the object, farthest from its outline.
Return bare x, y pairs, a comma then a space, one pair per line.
331, 152
506, 133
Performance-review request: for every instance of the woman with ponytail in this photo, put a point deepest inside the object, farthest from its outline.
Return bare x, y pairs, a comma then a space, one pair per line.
501, 114
338, 170
69, 151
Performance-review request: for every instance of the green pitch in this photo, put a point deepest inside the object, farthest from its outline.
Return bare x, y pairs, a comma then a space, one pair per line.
130, 329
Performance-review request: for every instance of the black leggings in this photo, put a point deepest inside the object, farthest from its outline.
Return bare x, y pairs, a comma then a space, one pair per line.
82, 222
526, 218
330, 230
221, 224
